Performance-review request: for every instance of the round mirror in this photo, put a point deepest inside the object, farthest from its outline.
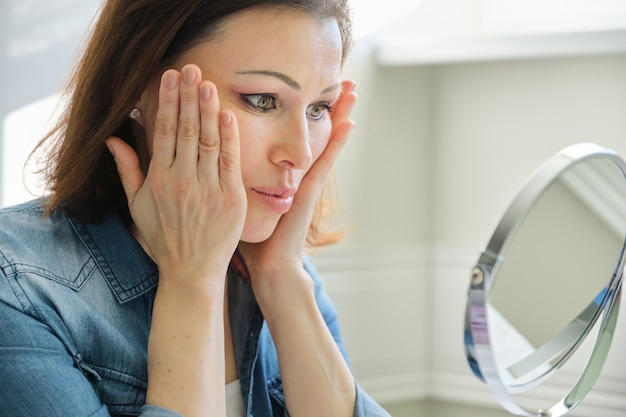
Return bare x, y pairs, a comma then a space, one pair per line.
545, 292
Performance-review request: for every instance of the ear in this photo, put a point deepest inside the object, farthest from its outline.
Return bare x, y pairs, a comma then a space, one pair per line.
136, 113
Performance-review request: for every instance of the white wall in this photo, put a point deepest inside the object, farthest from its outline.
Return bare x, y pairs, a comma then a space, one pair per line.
386, 167
39, 40
496, 122
438, 154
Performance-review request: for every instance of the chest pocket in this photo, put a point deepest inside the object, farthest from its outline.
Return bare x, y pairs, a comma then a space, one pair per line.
277, 396
122, 394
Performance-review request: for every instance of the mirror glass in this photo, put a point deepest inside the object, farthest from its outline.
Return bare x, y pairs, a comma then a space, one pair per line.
546, 289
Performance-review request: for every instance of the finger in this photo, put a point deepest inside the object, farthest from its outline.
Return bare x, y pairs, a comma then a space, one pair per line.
188, 129
316, 177
230, 160
314, 180
301, 213
128, 167
344, 106
164, 140
299, 216
348, 86
209, 145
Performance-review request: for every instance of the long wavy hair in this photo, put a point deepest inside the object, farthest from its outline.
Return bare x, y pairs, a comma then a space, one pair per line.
132, 43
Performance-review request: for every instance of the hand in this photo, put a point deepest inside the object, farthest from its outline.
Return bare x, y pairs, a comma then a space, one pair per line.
190, 207
314, 373
283, 251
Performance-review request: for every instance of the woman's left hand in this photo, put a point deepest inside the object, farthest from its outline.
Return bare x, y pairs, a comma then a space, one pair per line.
316, 378
275, 260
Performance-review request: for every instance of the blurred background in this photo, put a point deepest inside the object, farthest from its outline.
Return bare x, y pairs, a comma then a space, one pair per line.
459, 102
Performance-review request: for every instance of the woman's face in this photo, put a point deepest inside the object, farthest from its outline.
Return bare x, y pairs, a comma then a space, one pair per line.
279, 72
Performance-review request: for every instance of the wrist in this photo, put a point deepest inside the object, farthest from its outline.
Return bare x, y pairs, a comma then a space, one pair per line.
186, 364
192, 281
280, 295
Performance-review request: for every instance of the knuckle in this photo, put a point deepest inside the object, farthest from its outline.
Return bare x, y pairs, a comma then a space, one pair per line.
157, 186
182, 189
178, 189
208, 145
227, 162
187, 129
188, 94
164, 127
209, 109
169, 99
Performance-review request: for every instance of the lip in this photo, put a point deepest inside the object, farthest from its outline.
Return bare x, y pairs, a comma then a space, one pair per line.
277, 199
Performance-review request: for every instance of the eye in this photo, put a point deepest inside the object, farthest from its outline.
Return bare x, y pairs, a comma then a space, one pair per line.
261, 102
317, 111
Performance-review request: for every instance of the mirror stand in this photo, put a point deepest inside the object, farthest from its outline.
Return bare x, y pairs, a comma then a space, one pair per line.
558, 256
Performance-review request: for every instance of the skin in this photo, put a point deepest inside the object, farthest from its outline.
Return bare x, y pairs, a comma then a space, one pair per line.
240, 142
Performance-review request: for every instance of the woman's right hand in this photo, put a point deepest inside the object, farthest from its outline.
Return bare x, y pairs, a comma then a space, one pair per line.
188, 213
190, 207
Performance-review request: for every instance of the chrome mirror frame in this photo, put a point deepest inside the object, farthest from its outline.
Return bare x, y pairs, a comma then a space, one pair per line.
600, 313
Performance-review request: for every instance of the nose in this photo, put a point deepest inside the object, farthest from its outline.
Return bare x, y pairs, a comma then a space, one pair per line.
292, 147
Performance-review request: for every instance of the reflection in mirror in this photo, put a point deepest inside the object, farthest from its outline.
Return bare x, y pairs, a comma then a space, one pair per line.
577, 249
558, 256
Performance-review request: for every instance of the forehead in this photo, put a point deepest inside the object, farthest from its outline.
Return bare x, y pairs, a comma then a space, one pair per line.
285, 41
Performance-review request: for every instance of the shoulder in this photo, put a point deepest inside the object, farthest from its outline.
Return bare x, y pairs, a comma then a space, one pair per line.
38, 244
20, 215
67, 251
26, 218
25, 229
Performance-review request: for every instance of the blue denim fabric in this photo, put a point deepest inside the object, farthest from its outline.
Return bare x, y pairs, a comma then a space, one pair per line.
75, 308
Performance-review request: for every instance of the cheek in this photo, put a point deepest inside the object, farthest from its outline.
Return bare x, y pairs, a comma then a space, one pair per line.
319, 140
250, 145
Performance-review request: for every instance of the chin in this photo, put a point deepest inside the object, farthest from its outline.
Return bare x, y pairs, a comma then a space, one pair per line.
258, 233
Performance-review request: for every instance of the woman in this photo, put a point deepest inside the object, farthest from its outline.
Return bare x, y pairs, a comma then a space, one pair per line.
222, 120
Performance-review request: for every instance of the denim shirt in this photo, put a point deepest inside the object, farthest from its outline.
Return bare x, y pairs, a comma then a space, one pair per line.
75, 309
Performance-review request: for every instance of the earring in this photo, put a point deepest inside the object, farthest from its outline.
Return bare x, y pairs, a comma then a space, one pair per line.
134, 114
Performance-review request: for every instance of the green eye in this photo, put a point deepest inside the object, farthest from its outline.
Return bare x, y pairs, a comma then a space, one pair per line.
262, 102
317, 111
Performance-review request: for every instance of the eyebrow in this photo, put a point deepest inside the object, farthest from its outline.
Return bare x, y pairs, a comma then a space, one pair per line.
284, 78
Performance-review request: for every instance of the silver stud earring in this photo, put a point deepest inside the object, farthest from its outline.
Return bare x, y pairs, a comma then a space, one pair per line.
134, 114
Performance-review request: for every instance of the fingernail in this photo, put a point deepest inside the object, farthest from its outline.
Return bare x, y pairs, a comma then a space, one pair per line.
170, 79
351, 86
226, 118
189, 75
205, 92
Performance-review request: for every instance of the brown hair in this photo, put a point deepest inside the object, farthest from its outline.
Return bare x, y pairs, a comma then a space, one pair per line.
133, 42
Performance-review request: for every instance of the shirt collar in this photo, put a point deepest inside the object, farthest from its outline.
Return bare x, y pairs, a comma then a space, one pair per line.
238, 264
129, 271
